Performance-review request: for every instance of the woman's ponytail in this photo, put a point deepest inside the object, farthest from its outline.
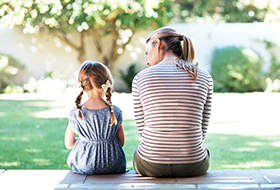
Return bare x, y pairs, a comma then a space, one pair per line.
188, 56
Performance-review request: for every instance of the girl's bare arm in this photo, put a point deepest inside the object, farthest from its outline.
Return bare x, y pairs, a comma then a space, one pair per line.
69, 139
120, 135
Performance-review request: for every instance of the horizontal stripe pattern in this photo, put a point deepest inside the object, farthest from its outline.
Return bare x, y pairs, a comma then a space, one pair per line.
172, 113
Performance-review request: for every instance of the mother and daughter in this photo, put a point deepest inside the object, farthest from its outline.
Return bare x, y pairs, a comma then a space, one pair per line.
172, 105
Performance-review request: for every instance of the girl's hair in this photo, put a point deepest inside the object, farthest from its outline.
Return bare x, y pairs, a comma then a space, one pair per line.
94, 75
180, 45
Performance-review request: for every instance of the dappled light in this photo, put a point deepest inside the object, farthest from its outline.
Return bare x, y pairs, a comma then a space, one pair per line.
41, 162
33, 150
243, 151
37, 123
249, 165
9, 164
17, 139
30, 142
276, 144
2, 114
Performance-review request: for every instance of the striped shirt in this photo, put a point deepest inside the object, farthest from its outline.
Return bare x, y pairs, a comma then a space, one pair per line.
172, 113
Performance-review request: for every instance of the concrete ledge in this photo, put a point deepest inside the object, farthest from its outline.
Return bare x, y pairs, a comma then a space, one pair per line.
65, 179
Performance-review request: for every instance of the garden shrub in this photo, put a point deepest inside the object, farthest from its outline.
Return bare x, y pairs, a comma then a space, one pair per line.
52, 82
128, 75
237, 70
9, 67
273, 76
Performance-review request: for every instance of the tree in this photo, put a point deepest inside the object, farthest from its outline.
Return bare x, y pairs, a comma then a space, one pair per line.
226, 11
117, 20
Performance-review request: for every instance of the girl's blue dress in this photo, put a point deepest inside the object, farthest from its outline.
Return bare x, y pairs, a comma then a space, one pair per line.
98, 149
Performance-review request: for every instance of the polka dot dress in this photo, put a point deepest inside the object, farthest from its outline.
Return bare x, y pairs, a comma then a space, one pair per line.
98, 149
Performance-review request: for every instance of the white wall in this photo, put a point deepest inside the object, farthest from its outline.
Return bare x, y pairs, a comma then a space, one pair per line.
207, 37
42, 53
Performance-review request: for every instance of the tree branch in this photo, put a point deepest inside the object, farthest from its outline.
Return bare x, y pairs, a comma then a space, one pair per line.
65, 39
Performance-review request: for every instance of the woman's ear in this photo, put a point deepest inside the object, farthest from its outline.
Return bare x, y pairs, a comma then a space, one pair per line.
158, 44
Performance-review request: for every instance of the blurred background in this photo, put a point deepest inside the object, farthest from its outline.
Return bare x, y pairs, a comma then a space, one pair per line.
43, 43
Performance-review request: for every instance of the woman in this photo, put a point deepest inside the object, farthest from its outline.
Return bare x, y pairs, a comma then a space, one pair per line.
172, 105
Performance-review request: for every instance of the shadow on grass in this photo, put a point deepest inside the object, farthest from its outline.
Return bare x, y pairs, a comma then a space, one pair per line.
30, 142
228, 151
243, 152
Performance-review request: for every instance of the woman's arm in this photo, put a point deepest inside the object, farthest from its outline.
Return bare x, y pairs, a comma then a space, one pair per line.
207, 108
120, 135
137, 107
69, 139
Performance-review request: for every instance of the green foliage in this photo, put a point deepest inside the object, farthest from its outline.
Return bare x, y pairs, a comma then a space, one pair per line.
272, 85
52, 82
225, 11
274, 72
77, 15
98, 18
273, 76
13, 89
127, 77
237, 70
9, 67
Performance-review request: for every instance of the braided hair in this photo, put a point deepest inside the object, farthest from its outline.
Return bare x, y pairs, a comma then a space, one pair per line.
108, 98
78, 105
94, 75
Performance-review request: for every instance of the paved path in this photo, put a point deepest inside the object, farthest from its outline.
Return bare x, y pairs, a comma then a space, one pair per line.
65, 179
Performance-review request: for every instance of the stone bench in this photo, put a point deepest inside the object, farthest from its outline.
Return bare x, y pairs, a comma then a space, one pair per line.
65, 179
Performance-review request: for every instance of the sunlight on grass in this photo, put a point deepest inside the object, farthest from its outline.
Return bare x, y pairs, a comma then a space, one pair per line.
244, 149
2, 114
256, 143
14, 138
41, 161
5, 164
276, 144
34, 139
129, 164
33, 150
248, 165
53, 113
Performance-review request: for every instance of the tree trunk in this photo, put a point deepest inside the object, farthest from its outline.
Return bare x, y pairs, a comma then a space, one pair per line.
81, 49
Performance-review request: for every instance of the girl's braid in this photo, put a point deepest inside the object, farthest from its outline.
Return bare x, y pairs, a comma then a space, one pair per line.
78, 104
108, 98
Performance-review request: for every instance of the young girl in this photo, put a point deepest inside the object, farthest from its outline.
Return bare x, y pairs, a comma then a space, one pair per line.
98, 149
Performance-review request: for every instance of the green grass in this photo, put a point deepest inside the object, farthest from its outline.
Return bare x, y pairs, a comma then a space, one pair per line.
30, 142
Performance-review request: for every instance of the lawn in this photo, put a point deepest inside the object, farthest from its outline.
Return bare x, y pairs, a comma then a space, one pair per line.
28, 141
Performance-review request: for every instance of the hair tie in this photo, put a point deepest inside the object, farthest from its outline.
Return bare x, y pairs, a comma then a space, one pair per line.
181, 37
106, 86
